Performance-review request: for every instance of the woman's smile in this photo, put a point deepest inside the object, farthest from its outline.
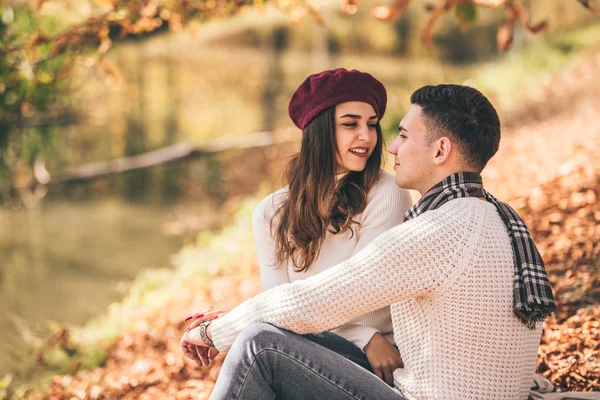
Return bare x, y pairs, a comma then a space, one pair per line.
360, 152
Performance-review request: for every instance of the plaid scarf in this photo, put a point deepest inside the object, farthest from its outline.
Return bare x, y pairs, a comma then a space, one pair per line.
533, 300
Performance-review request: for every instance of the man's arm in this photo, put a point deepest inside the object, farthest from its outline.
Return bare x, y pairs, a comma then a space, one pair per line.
413, 259
385, 210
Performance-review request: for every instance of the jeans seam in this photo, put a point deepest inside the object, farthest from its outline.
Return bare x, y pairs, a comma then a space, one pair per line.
299, 362
247, 373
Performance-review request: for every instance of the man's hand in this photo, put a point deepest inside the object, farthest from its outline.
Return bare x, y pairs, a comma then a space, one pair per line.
383, 357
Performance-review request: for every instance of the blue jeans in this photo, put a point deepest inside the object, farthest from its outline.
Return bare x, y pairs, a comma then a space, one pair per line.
266, 362
341, 346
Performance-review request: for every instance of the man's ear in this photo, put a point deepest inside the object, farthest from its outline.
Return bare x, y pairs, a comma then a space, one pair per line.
442, 149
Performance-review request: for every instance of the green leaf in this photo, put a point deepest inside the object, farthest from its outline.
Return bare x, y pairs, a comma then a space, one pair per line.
466, 13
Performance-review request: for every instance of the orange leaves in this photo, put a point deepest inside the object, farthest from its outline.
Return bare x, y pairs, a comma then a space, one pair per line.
38, 39
59, 46
563, 216
147, 363
587, 4
27, 109
149, 11
122, 18
105, 42
516, 12
316, 13
105, 45
427, 31
568, 234
175, 22
349, 7
65, 72
466, 13
110, 70
392, 13
505, 36
569, 351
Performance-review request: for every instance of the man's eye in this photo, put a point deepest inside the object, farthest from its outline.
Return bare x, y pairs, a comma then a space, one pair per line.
402, 135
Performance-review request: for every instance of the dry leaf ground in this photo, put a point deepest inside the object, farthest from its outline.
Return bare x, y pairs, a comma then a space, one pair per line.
548, 168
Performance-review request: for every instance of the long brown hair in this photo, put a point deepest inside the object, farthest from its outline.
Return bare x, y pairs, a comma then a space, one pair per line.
316, 203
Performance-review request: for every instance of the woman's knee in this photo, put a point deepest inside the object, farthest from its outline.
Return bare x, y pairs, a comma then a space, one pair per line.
259, 336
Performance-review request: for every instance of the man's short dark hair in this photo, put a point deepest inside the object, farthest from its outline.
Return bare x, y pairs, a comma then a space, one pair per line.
463, 114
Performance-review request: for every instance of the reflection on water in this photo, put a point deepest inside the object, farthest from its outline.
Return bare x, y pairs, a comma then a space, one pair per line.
66, 261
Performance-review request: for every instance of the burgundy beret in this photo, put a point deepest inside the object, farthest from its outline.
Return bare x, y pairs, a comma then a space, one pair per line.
328, 88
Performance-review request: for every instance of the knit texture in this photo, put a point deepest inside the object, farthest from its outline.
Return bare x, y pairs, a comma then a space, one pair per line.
533, 298
386, 205
448, 276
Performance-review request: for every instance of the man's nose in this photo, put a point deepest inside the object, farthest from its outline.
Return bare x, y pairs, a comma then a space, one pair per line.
393, 147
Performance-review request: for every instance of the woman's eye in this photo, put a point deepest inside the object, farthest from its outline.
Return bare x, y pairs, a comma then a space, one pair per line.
372, 126
350, 124
402, 135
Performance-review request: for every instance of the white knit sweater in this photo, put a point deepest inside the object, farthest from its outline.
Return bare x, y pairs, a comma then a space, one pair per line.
448, 277
386, 206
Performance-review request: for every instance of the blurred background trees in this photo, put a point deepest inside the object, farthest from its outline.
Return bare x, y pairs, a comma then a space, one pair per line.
50, 49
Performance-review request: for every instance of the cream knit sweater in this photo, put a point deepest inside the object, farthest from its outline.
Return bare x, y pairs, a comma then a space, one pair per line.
447, 275
386, 206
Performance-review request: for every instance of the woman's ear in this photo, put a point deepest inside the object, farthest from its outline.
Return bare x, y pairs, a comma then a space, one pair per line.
442, 149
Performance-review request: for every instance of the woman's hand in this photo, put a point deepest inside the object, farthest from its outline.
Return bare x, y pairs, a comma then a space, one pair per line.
383, 357
191, 343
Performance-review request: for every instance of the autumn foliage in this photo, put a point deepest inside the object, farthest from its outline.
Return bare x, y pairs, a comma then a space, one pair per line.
564, 215
116, 20
37, 66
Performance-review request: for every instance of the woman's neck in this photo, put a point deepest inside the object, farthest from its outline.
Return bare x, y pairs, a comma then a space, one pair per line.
340, 175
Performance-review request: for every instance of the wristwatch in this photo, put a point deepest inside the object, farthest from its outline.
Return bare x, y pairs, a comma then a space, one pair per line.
203, 327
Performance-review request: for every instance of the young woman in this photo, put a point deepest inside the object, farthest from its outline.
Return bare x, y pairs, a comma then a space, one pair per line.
336, 201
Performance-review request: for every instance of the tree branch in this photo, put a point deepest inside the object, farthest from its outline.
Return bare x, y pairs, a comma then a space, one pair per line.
169, 154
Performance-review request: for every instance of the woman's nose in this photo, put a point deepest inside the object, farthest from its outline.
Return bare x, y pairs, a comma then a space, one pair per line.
363, 133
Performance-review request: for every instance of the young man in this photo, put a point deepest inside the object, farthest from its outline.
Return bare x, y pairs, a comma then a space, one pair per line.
466, 285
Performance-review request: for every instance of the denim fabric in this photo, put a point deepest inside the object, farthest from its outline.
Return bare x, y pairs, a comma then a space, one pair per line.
343, 347
266, 362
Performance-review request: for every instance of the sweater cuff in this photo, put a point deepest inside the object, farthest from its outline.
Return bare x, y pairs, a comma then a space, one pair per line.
222, 339
359, 335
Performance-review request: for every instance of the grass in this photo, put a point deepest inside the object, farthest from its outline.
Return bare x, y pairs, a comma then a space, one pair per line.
212, 255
